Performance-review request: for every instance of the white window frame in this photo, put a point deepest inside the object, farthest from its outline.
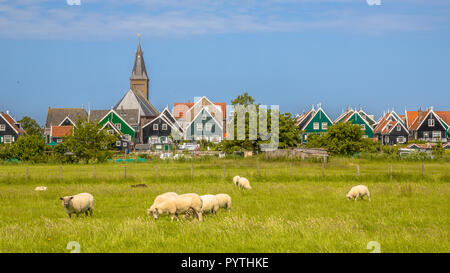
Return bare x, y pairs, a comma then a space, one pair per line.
401, 139
324, 125
164, 127
399, 128
363, 127
155, 126
118, 143
58, 140
118, 126
199, 126
125, 144
127, 137
8, 139
316, 126
365, 136
434, 134
2, 127
208, 127
426, 134
431, 122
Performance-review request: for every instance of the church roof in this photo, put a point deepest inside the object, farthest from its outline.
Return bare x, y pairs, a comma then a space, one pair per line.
133, 100
139, 72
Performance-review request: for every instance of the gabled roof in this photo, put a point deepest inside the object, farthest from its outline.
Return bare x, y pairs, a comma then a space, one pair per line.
445, 116
387, 122
134, 100
189, 105
56, 115
309, 116
171, 118
300, 120
206, 110
344, 115
165, 119
415, 118
97, 115
131, 116
109, 123
61, 131
119, 116
7, 117
367, 117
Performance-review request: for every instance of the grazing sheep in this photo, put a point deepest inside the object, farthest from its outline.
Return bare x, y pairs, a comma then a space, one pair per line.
209, 204
244, 183
83, 202
358, 191
224, 201
41, 188
236, 180
179, 205
161, 198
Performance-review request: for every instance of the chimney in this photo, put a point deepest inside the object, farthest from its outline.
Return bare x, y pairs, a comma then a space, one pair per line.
7, 112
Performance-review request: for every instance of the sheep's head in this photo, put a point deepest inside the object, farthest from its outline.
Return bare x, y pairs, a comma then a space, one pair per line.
153, 211
348, 197
66, 201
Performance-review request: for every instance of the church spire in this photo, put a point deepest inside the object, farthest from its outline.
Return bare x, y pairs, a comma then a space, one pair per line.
139, 78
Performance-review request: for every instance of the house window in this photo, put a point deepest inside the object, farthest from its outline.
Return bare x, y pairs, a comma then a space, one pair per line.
127, 137
125, 144
208, 127
58, 140
401, 139
118, 126
431, 122
155, 126
111, 132
199, 126
365, 136
164, 127
399, 128
363, 127
2, 127
436, 134
118, 143
324, 125
316, 126
426, 135
7, 139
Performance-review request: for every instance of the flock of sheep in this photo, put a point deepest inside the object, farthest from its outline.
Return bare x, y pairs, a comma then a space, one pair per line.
185, 204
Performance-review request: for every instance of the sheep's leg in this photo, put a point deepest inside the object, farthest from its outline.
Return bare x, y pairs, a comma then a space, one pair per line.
77, 214
368, 196
86, 213
356, 198
90, 212
200, 217
70, 215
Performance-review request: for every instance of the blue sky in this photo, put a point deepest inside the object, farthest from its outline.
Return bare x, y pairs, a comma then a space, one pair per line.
292, 53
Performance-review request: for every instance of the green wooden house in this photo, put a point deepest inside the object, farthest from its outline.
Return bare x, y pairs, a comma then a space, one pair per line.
356, 117
204, 126
313, 122
125, 129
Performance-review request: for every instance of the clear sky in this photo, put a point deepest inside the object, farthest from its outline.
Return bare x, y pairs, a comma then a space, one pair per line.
292, 53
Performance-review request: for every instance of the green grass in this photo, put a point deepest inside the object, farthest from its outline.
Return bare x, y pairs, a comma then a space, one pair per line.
302, 212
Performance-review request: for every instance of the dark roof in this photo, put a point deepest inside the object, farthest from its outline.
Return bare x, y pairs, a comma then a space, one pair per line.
134, 100
96, 115
56, 115
139, 72
7, 117
131, 116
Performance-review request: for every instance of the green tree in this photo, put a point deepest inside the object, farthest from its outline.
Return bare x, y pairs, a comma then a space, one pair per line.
29, 148
30, 126
89, 142
289, 132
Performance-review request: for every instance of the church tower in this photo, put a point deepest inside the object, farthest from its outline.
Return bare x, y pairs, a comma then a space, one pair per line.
139, 78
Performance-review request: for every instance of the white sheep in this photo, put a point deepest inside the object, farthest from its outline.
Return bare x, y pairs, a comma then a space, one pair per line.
224, 201
244, 183
83, 202
161, 198
41, 188
179, 205
209, 204
236, 180
358, 191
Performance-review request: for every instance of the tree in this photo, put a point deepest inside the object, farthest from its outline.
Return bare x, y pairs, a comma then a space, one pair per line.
343, 138
289, 132
244, 99
29, 148
89, 142
30, 126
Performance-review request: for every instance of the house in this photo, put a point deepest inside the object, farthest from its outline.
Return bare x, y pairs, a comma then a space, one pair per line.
9, 128
185, 112
62, 117
160, 129
122, 122
391, 129
359, 118
57, 133
204, 126
427, 125
313, 122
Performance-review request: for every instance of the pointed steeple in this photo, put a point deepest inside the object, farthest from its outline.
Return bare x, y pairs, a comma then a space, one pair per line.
139, 78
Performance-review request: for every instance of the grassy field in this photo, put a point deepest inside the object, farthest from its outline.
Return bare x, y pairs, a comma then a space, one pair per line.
293, 207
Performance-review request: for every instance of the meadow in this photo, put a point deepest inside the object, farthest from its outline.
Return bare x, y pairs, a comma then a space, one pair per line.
294, 206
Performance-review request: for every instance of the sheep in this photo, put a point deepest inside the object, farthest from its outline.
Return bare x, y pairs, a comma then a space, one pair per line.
209, 204
83, 202
244, 183
224, 201
41, 188
358, 191
179, 205
236, 180
161, 198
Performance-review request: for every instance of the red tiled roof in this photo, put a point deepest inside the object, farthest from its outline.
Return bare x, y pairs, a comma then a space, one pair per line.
444, 115
12, 122
180, 108
415, 118
62, 131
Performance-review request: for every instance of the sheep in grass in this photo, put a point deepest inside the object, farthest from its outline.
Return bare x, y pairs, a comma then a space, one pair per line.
41, 188
209, 204
358, 191
236, 180
161, 198
83, 202
224, 201
179, 205
244, 183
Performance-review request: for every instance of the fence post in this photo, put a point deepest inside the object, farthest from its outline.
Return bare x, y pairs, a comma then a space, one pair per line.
357, 170
60, 172
125, 171
390, 171
156, 171
27, 173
